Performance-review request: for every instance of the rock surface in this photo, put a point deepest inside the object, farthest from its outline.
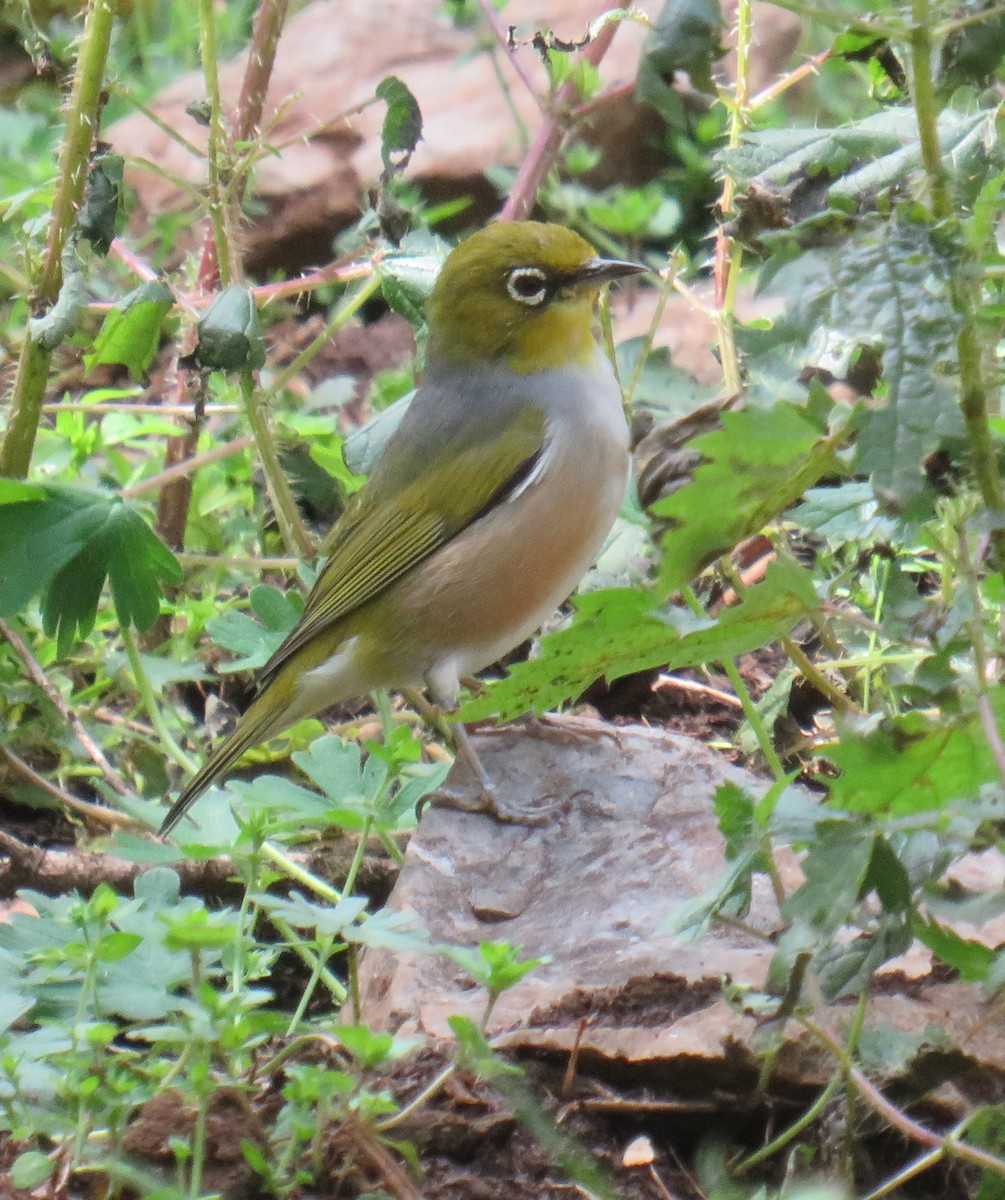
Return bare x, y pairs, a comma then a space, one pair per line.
330, 59
633, 836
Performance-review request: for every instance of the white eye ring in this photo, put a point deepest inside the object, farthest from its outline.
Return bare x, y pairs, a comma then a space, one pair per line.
517, 285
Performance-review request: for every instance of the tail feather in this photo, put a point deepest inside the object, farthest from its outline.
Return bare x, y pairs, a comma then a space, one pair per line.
257, 724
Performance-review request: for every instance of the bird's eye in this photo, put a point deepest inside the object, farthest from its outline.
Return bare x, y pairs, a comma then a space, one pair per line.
528, 285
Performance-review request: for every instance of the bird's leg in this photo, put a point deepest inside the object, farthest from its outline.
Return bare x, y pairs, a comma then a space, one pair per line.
466, 751
484, 797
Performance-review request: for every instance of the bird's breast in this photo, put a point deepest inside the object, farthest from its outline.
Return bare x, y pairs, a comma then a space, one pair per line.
497, 582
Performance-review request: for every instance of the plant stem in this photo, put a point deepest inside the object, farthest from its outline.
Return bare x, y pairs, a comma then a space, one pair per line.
290, 868
150, 704
742, 694
291, 526
82, 123
964, 287
349, 307
793, 1131
306, 955
896, 1117
216, 150
728, 252
548, 142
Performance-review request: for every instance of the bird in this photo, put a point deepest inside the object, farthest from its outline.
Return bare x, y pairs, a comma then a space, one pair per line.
488, 504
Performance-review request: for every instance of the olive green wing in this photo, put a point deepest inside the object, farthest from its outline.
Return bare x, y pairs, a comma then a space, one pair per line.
407, 510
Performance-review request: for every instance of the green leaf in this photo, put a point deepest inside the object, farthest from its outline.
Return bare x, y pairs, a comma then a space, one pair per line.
846, 167
364, 445
256, 641
66, 542
407, 275
121, 547
973, 960
618, 632
402, 129
889, 289
887, 876
30, 1169
912, 764
756, 465
13, 491
834, 873
844, 968
843, 514
685, 37
130, 333
230, 336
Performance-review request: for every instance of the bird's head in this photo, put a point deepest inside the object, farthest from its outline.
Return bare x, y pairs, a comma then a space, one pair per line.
519, 292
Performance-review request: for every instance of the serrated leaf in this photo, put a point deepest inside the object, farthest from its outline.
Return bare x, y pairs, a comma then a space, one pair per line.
66, 542
846, 513
686, 36
834, 872
278, 610
407, 275
756, 465
851, 163
402, 128
912, 764
121, 547
844, 968
130, 333
242, 635
972, 959
619, 631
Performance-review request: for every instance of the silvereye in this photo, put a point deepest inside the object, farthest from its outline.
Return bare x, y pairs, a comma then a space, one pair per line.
487, 505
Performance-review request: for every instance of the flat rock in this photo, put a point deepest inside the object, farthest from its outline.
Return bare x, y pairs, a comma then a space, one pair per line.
632, 836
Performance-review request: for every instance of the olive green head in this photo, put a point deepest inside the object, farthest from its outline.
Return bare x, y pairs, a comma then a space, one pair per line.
521, 292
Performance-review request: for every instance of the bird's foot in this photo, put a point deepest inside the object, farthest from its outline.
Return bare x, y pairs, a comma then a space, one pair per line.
562, 727
486, 799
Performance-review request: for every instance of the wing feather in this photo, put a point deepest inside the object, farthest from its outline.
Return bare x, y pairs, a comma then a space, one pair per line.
391, 529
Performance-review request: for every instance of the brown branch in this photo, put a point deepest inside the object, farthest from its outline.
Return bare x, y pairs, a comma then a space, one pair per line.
34, 668
84, 808
545, 148
55, 872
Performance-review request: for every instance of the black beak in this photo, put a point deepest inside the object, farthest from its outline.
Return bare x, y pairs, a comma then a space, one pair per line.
596, 271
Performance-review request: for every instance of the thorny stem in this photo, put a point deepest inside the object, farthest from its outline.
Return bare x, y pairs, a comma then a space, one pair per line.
81, 128
964, 285
499, 33
42, 681
916, 1168
261, 58
217, 149
728, 252
548, 142
793, 1130
291, 525
812, 674
187, 466
896, 1117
